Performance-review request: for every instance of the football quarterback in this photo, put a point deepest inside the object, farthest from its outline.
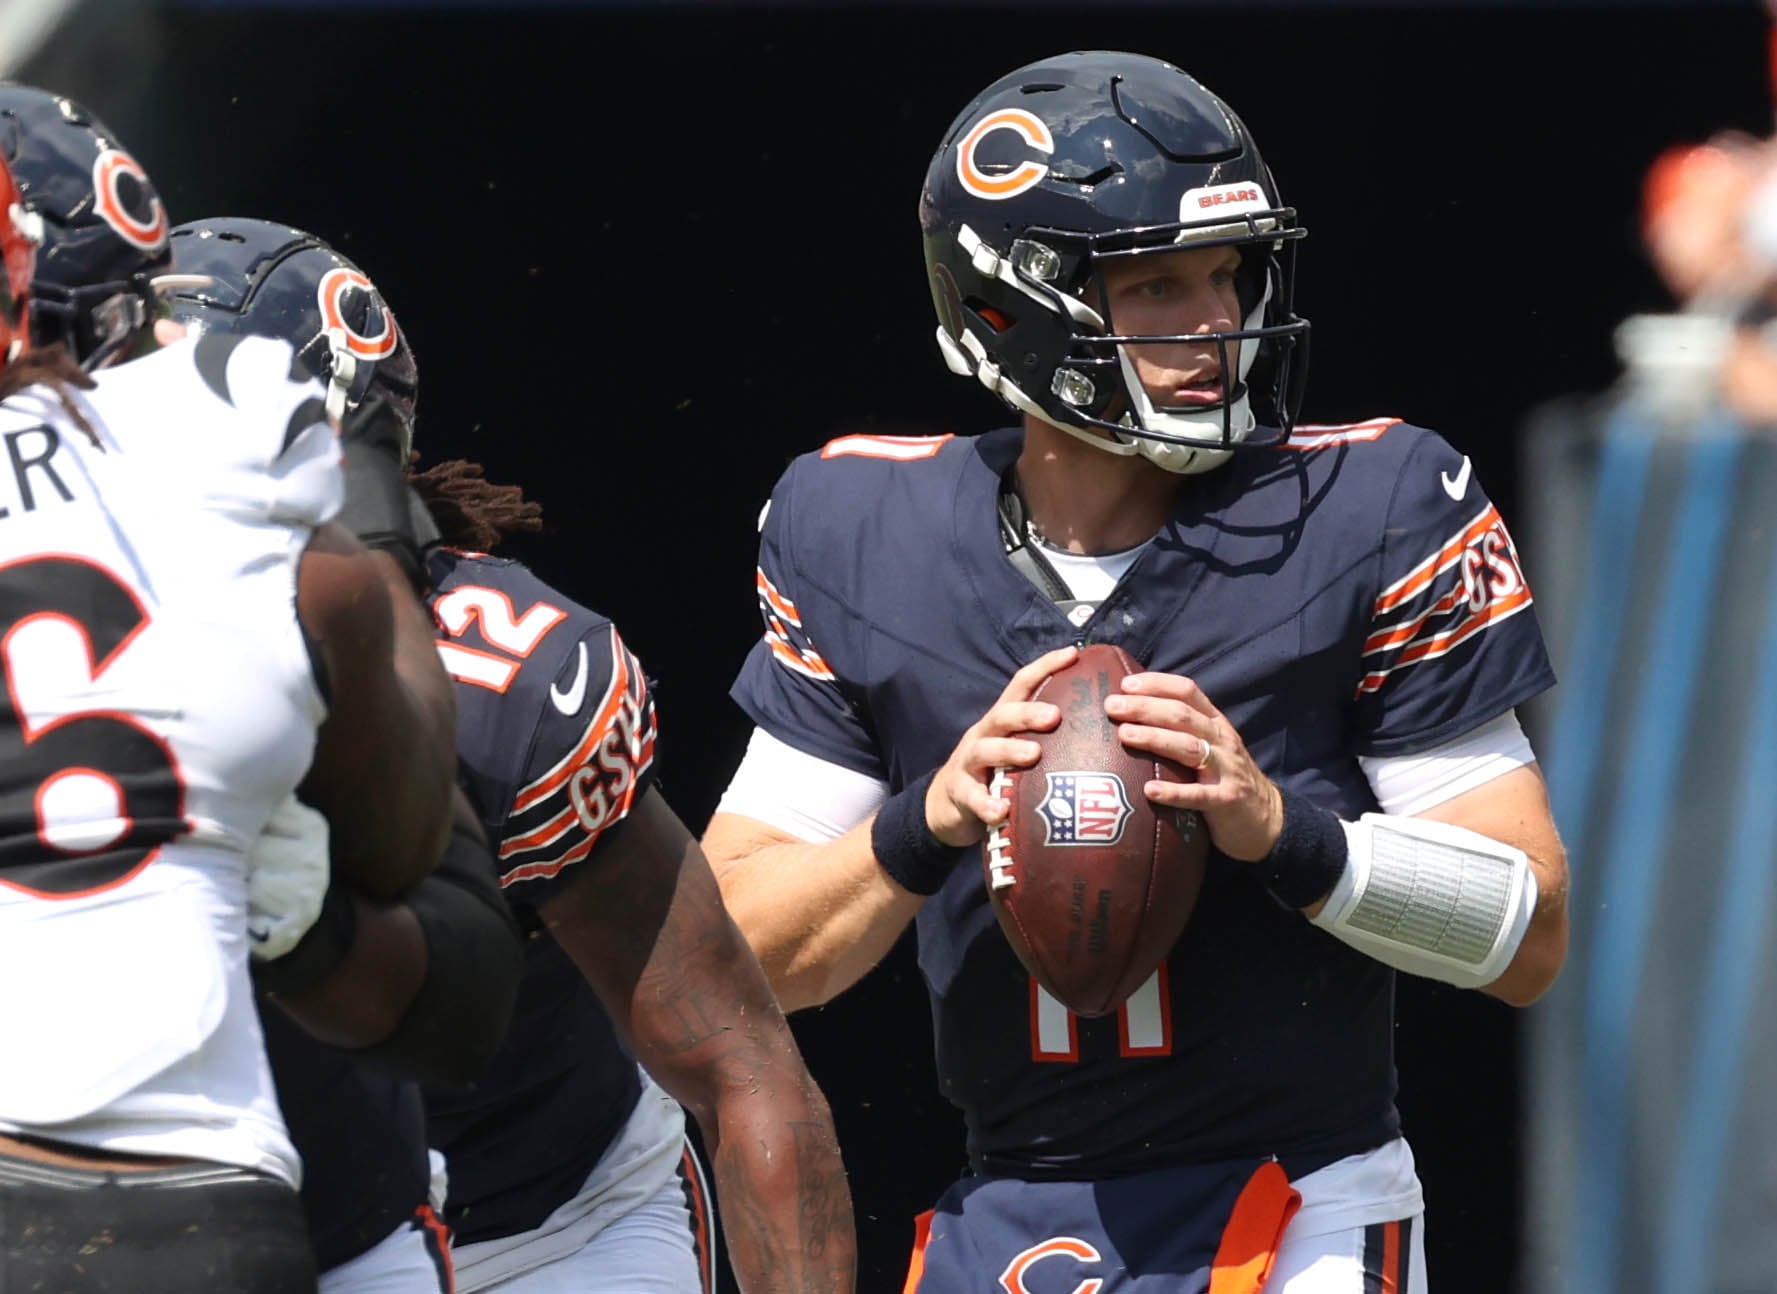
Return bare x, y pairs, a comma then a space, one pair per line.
1334, 629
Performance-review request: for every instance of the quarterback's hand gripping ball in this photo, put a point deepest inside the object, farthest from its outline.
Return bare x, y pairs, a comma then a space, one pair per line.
1091, 881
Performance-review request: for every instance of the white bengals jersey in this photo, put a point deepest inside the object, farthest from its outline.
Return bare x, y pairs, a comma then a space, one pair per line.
159, 703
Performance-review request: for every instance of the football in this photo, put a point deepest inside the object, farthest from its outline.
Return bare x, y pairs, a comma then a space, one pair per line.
1091, 881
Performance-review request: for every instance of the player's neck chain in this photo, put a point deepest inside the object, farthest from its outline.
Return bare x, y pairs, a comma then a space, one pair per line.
1036, 536
1019, 529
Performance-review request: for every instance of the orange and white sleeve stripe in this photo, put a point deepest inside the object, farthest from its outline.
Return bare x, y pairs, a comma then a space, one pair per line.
784, 634
1469, 582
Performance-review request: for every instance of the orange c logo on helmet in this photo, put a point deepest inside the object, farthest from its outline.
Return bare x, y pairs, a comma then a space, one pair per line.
108, 169
1021, 177
331, 295
1012, 1279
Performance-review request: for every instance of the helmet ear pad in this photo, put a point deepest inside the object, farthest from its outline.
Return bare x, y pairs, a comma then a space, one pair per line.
1026, 331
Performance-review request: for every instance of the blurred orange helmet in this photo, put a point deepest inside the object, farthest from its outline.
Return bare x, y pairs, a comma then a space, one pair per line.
1693, 210
1688, 171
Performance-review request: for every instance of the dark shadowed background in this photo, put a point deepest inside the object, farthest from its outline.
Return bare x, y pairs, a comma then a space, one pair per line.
645, 255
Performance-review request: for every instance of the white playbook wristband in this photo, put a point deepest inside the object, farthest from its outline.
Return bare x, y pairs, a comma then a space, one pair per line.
1431, 899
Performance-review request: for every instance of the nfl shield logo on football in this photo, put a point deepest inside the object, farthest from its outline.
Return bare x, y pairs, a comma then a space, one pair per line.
1082, 808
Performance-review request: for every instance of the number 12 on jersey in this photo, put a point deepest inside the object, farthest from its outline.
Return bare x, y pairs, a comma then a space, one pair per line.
1144, 1022
492, 612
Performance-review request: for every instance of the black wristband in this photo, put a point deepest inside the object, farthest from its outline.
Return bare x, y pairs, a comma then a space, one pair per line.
905, 847
1309, 856
318, 953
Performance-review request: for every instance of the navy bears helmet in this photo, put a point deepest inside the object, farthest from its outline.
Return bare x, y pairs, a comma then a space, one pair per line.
1070, 161
104, 228
241, 276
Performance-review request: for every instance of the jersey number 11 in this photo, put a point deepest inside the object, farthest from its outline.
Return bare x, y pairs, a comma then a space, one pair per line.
1144, 1022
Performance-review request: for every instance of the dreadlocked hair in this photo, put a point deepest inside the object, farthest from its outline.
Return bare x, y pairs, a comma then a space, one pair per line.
470, 510
54, 367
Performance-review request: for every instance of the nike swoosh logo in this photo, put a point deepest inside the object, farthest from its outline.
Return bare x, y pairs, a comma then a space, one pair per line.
1459, 487
569, 702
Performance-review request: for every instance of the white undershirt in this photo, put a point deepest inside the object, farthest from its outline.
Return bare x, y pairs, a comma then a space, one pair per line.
1410, 784
815, 800
1089, 577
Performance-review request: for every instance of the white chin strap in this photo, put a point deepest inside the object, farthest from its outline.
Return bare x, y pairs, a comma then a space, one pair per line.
1175, 457
1182, 459
343, 372
1097, 439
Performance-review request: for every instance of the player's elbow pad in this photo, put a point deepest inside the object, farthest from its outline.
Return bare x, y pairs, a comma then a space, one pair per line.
1431, 899
475, 958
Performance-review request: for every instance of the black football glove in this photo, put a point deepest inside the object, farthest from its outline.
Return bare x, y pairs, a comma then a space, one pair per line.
380, 507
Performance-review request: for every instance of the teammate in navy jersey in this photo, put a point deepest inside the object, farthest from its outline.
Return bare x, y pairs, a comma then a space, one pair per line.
1335, 631
568, 1165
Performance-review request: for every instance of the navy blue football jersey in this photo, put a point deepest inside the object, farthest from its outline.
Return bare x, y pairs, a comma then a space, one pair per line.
1353, 594
555, 741
362, 1137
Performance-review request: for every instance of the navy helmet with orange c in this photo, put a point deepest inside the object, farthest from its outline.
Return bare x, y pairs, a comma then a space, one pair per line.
1057, 168
103, 226
242, 276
